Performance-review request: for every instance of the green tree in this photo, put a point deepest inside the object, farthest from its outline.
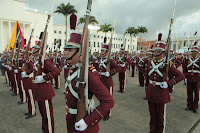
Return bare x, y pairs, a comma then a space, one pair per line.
92, 20
66, 10
142, 30
132, 32
105, 28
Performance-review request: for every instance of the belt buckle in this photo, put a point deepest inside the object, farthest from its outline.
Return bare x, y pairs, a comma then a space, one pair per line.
154, 83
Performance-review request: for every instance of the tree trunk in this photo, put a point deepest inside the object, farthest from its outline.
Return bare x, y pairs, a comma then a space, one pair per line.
66, 32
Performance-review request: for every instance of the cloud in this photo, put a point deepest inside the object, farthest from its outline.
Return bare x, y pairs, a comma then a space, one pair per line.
153, 14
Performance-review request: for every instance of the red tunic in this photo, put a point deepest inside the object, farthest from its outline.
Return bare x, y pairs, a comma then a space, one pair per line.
154, 93
44, 91
95, 87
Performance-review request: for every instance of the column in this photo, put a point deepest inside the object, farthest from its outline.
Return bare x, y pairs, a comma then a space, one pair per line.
182, 45
9, 27
176, 47
172, 44
23, 30
2, 40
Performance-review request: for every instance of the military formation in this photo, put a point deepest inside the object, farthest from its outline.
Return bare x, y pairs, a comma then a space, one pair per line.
33, 72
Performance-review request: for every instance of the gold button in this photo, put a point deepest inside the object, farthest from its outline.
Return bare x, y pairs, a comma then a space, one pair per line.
155, 74
95, 120
154, 77
92, 124
66, 92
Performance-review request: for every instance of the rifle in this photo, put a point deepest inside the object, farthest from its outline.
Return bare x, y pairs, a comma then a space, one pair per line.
26, 59
167, 50
18, 50
109, 50
43, 45
81, 104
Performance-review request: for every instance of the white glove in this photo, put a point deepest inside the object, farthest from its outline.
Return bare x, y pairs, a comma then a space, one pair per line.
16, 71
80, 125
185, 80
2, 64
164, 85
122, 65
23, 74
10, 68
107, 74
65, 66
39, 79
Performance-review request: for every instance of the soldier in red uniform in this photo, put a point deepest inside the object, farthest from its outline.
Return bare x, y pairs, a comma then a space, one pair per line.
122, 61
140, 65
192, 69
43, 91
20, 86
89, 124
106, 76
57, 63
157, 92
133, 63
27, 78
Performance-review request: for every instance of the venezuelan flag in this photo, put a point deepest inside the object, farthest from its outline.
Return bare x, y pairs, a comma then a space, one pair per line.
14, 38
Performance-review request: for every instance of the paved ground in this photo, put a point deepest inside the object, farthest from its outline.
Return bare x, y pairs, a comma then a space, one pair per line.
129, 115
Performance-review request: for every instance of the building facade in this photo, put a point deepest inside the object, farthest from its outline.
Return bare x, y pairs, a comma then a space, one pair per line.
16, 10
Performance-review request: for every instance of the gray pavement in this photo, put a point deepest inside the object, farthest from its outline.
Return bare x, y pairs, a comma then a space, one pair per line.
129, 115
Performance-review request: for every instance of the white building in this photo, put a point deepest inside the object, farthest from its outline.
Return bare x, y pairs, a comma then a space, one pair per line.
16, 10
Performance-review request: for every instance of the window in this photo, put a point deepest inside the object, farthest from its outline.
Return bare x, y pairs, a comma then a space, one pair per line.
65, 41
114, 38
94, 44
59, 32
94, 36
108, 37
65, 32
119, 46
98, 36
128, 40
133, 47
98, 44
121, 39
95, 50
128, 46
114, 45
89, 44
54, 31
101, 36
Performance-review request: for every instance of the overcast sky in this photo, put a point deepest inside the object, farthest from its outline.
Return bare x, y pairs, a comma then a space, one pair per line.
155, 15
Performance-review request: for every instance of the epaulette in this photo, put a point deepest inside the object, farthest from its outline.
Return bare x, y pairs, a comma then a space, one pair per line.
91, 68
170, 63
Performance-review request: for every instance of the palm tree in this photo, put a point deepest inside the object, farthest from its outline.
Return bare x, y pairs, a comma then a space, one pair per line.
132, 32
92, 20
105, 28
66, 10
142, 30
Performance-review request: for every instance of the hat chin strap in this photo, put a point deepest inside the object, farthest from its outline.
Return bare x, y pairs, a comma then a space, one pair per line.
159, 54
73, 55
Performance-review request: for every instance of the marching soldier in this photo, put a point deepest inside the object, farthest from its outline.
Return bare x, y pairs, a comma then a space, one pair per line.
140, 65
122, 61
57, 63
27, 78
89, 124
43, 90
106, 77
133, 63
157, 92
192, 69
20, 86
